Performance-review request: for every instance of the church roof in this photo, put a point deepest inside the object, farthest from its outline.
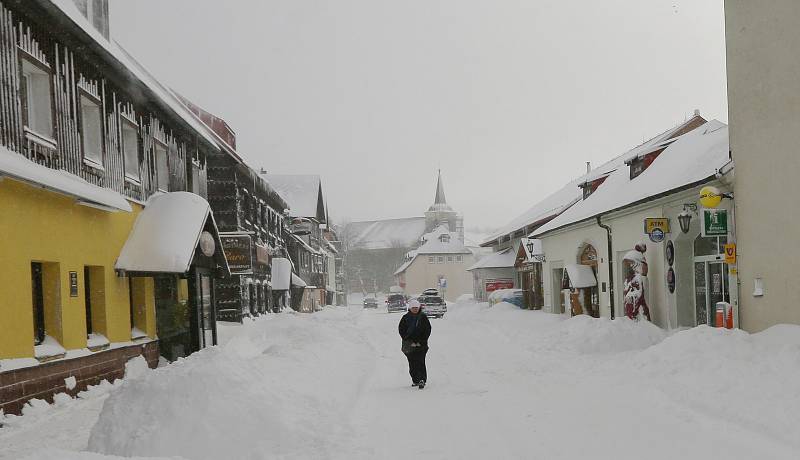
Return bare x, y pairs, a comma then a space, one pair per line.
440, 202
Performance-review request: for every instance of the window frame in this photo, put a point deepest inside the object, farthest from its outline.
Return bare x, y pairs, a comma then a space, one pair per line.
83, 94
32, 133
125, 121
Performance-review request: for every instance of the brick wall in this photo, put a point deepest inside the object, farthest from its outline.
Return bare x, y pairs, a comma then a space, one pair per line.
45, 380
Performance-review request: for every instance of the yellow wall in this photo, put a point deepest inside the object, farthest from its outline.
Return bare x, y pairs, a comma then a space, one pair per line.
41, 226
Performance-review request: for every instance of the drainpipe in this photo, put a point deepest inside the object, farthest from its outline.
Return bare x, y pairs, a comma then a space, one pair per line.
610, 267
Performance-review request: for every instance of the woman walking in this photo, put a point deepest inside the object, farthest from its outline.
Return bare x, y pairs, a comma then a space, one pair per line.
415, 329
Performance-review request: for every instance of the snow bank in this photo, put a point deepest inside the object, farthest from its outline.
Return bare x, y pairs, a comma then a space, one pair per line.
586, 335
58, 454
267, 392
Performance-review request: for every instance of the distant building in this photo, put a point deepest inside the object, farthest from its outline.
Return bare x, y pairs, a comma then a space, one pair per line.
376, 248
441, 263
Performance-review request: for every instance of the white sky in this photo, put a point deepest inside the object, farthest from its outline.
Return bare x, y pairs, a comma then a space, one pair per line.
509, 97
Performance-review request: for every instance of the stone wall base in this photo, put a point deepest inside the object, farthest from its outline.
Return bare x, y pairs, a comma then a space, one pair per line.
47, 379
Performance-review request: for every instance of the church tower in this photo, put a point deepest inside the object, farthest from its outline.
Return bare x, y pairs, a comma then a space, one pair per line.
441, 213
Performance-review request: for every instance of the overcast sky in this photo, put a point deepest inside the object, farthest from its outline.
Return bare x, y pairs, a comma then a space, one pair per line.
509, 98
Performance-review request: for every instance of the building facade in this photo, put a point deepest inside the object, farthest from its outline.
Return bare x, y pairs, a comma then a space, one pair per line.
762, 40
91, 148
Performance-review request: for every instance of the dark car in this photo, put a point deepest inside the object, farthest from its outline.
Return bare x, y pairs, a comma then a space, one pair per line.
433, 305
396, 302
370, 302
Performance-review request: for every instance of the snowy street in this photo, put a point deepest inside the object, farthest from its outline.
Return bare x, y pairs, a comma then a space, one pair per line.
503, 383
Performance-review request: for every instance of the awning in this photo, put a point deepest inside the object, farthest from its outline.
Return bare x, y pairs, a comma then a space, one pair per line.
17, 167
281, 273
581, 276
297, 281
167, 233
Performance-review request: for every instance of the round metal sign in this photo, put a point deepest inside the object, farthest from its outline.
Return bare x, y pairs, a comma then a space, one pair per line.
671, 280
656, 235
670, 253
207, 244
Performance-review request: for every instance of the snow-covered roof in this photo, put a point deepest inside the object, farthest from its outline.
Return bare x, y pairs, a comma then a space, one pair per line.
165, 234
550, 206
297, 281
691, 158
434, 244
405, 265
138, 70
303, 243
16, 166
384, 234
501, 259
300, 191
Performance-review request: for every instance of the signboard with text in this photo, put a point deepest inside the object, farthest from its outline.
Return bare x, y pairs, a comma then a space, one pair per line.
239, 252
656, 228
715, 222
492, 285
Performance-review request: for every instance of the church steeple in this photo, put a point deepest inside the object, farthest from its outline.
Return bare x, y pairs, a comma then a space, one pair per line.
440, 199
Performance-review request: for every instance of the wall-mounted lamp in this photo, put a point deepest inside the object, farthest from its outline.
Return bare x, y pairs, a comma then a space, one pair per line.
685, 217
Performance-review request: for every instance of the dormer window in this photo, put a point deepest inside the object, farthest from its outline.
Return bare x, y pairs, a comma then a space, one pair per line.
444, 238
591, 186
639, 164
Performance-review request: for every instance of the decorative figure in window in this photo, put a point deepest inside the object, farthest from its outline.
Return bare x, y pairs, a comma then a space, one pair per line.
635, 266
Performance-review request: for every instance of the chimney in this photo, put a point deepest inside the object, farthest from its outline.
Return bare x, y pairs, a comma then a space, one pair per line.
697, 112
588, 167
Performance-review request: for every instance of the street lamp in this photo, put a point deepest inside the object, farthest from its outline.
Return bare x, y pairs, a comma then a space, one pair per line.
685, 217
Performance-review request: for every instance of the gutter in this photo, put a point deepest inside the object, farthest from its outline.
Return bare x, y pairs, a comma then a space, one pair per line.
610, 266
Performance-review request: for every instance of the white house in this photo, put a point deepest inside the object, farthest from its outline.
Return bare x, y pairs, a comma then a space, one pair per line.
584, 247
441, 262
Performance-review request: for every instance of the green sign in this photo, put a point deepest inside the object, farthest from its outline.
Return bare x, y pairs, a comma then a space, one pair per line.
715, 222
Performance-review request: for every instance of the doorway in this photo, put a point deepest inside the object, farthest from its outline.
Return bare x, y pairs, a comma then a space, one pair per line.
559, 299
207, 331
711, 283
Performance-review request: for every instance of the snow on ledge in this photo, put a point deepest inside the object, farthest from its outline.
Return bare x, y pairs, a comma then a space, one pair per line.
17, 167
96, 340
49, 348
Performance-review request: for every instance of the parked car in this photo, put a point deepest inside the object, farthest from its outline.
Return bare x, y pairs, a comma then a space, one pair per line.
432, 303
512, 296
370, 302
396, 302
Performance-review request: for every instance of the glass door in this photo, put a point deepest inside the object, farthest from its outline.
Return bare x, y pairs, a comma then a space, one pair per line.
206, 304
711, 286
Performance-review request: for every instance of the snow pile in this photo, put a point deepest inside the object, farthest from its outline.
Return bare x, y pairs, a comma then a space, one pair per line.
586, 335
48, 348
275, 387
135, 368
70, 382
58, 454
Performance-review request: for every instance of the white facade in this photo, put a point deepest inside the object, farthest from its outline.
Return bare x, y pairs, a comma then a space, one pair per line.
668, 310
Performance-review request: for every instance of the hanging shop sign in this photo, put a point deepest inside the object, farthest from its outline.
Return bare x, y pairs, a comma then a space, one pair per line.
656, 228
494, 284
239, 252
671, 280
670, 253
262, 254
730, 253
710, 197
73, 284
715, 222
533, 249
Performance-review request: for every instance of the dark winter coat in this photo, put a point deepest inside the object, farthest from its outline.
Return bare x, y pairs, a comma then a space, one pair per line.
415, 329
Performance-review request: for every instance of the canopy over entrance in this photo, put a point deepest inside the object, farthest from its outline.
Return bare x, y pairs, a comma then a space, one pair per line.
168, 233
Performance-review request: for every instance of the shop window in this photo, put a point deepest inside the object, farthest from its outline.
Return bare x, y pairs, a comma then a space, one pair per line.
710, 246
162, 167
130, 150
91, 130
37, 99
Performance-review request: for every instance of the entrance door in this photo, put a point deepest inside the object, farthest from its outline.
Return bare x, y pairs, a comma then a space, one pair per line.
37, 292
205, 303
711, 284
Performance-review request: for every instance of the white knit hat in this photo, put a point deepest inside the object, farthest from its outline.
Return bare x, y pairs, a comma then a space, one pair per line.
413, 303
